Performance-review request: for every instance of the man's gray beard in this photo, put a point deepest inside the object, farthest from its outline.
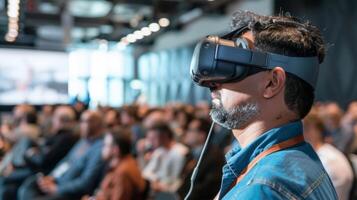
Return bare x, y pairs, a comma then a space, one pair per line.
234, 118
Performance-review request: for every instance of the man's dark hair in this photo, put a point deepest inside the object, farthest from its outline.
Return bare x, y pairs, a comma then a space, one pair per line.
288, 36
132, 111
68, 118
163, 130
31, 117
122, 138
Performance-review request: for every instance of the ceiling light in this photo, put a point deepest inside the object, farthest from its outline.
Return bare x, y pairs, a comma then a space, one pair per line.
164, 22
154, 27
13, 20
14, 1
13, 26
9, 38
138, 35
13, 33
12, 4
124, 39
121, 45
146, 31
13, 17
13, 8
131, 38
13, 13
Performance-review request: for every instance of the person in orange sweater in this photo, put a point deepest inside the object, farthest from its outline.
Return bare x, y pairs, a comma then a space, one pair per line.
123, 181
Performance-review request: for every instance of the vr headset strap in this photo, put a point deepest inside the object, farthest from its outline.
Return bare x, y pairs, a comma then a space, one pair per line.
306, 68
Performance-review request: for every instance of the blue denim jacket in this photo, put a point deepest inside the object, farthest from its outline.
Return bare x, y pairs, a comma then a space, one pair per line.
292, 173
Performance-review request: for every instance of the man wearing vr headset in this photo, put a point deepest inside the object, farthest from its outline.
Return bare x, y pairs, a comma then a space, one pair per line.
262, 77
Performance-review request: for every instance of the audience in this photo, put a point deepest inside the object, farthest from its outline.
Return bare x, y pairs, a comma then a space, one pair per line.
123, 181
143, 147
78, 173
43, 157
331, 115
129, 119
167, 161
111, 118
209, 176
179, 118
349, 127
45, 118
56, 143
4, 147
22, 136
142, 152
24, 124
333, 160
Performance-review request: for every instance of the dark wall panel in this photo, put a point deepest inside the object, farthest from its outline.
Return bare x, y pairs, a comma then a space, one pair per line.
337, 19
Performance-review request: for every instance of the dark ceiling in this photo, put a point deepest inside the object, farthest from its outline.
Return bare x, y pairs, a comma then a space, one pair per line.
56, 23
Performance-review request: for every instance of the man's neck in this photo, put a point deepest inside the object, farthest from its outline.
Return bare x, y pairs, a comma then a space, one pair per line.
251, 132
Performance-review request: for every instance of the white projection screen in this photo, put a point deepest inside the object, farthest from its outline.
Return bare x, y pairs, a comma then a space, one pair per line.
33, 76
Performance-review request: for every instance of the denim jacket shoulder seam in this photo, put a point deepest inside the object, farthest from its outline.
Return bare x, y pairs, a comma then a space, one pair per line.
314, 185
231, 168
277, 187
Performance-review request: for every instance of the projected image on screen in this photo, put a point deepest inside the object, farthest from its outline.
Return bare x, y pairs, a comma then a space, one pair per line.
34, 77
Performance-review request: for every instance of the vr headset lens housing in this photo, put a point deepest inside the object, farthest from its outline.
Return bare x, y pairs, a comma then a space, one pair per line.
217, 60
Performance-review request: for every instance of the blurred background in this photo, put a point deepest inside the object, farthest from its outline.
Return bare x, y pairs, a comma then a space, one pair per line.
115, 52
76, 70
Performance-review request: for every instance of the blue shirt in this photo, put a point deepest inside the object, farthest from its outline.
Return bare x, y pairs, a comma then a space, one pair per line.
292, 173
84, 168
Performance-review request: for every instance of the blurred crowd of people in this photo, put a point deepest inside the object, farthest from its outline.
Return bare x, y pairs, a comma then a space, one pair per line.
332, 132
132, 152
140, 152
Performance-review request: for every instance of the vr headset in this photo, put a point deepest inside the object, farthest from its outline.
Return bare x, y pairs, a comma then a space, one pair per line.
220, 60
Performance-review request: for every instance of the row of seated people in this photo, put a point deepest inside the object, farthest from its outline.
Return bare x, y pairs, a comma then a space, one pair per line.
38, 166
91, 160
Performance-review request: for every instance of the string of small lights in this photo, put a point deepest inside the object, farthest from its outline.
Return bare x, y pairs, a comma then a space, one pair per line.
13, 13
144, 32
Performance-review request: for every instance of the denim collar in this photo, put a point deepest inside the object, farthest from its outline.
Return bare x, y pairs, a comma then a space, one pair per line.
238, 158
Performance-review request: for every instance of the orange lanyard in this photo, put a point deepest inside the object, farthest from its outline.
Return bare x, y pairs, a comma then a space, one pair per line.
277, 147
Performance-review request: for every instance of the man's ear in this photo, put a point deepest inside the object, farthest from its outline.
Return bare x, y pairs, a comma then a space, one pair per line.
274, 83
